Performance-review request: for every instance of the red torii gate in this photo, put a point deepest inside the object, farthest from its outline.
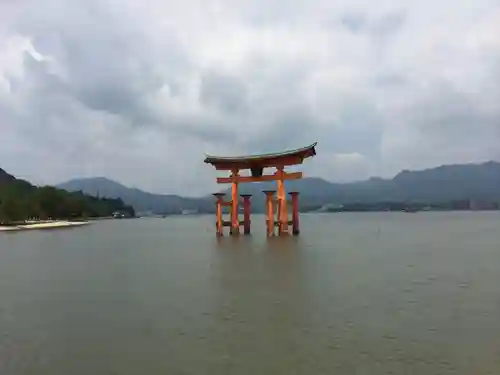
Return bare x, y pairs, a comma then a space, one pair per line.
256, 165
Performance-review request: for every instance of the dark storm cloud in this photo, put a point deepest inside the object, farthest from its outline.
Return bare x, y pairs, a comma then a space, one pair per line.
105, 62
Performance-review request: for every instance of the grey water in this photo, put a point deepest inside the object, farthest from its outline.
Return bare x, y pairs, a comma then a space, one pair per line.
375, 293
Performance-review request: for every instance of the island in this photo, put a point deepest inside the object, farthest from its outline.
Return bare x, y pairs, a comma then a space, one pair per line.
25, 206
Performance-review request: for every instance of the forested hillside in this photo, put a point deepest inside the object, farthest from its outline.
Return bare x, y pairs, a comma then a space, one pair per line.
20, 200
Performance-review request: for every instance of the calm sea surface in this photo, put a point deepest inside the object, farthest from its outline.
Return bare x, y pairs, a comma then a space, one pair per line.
382, 293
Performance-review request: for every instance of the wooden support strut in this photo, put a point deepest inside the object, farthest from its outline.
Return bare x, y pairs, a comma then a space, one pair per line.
235, 228
219, 224
282, 202
295, 212
270, 212
246, 213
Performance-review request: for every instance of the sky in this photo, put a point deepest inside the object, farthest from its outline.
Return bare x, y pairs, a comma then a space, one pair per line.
140, 91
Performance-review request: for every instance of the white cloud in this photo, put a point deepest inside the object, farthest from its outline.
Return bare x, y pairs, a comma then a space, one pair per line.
139, 91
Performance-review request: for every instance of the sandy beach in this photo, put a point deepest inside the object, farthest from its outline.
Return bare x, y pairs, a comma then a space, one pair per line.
43, 225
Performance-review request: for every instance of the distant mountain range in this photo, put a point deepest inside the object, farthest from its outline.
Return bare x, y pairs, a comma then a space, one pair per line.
141, 201
444, 183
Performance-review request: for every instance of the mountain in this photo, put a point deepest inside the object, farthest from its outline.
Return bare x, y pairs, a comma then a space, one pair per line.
451, 182
444, 183
140, 200
20, 200
5, 177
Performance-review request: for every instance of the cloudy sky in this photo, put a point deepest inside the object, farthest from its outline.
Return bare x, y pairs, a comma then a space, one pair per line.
139, 91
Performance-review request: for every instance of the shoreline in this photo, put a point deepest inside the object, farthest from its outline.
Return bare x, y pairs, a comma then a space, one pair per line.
42, 225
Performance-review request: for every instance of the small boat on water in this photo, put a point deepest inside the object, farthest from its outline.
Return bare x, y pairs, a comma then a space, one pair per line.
410, 210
